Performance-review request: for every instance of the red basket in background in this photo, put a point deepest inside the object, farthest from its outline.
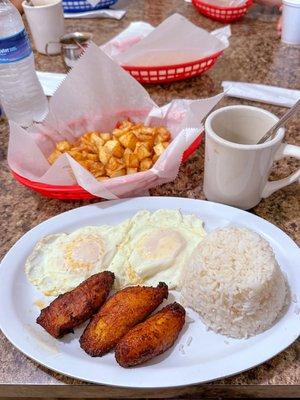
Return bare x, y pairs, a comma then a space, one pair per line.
171, 73
76, 192
222, 14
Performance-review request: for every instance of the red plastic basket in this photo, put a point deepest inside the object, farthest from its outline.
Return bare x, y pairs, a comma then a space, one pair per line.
76, 192
171, 73
222, 14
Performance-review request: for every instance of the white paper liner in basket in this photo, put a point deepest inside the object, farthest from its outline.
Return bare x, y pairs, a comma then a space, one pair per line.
175, 41
97, 94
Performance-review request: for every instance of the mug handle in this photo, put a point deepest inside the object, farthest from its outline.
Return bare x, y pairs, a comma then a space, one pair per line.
47, 45
283, 151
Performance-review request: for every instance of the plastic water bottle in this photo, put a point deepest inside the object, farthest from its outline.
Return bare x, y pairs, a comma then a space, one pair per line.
21, 94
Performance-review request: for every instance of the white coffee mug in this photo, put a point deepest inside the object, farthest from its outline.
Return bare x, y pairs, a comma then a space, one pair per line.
47, 24
236, 169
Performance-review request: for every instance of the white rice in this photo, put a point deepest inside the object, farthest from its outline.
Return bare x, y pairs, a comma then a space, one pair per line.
235, 283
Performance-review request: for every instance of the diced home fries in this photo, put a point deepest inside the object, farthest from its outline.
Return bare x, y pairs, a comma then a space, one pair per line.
130, 148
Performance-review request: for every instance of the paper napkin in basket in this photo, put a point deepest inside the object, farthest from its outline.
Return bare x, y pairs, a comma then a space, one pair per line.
95, 95
176, 40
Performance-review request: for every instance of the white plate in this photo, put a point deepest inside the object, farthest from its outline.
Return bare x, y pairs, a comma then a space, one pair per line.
198, 356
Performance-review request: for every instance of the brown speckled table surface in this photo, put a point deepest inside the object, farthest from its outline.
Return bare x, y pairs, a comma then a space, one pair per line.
255, 55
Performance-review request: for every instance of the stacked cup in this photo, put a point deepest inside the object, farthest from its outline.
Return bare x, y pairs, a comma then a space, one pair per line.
291, 22
46, 22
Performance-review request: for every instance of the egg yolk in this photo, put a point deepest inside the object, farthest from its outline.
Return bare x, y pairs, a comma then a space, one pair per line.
84, 252
161, 244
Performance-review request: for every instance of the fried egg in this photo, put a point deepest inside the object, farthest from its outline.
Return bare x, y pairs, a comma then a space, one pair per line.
157, 248
60, 262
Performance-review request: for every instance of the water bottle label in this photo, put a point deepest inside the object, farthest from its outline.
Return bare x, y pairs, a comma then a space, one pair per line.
14, 48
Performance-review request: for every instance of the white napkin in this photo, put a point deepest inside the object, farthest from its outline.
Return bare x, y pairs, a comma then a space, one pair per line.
176, 40
263, 93
112, 14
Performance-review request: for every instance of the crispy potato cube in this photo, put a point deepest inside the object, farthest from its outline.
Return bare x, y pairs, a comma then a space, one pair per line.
87, 164
119, 132
126, 124
114, 147
103, 155
155, 158
63, 146
145, 164
144, 138
159, 149
54, 156
164, 138
74, 153
88, 147
84, 154
131, 160
130, 171
86, 136
85, 143
141, 151
163, 133
109, 146
96, 139
93, 157
127, 152
114, 174
128, 140
157, 140
115, 164
102, 178
97, 174
97, 169
149, 144
127, 156
147, 130
106, 136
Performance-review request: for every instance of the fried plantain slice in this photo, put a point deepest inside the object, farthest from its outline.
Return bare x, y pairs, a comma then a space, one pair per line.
119, 314
72, 308
151, 337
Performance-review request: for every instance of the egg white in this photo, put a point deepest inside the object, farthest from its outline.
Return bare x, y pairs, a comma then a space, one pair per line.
157, 247
60, 262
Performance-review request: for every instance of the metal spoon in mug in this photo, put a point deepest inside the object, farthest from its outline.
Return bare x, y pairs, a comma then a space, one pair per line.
282, 120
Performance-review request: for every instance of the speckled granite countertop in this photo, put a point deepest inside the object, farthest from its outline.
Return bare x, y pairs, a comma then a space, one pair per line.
255, 55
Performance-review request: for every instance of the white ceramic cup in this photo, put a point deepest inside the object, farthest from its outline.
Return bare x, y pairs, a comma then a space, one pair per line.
47, 24
236, 169
291, 22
